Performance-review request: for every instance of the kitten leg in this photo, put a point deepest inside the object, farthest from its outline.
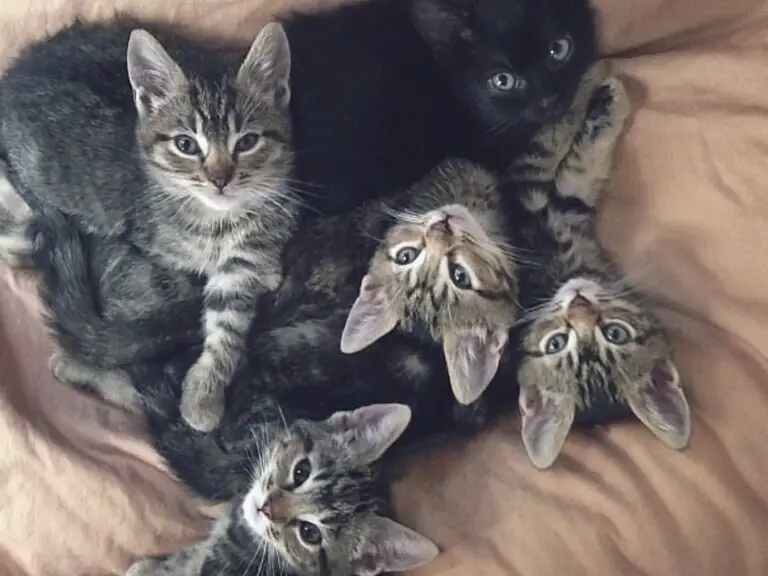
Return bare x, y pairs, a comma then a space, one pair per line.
16, 245
185, 563
113, 386
553, 142
231, 296
586, 168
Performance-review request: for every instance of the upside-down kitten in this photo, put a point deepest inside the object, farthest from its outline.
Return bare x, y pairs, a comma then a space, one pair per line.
384, 90
308, 501
171, 149
590, 350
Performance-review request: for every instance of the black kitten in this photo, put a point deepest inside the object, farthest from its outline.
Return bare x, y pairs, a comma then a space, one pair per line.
383, 90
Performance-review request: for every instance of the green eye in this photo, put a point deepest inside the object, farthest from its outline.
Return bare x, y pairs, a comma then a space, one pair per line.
459, 276
186, 145
556, 343
309, 533
616, 333
301, 472
407, 255
247, 142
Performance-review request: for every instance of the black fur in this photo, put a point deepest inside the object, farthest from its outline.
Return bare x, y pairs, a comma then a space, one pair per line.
376, 104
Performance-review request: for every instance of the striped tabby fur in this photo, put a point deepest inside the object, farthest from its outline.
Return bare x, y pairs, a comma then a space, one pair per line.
589, 348
175, 152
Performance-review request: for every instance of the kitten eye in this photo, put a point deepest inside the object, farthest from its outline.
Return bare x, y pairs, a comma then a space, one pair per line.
247, 142
506, 82
560, 50
301, 472
556, 343
459, 276
186, 145
407, 255
616, 333
310, 534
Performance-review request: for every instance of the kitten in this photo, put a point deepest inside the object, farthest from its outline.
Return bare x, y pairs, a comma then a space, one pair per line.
309, 501
384, 90
590, 350
169, 149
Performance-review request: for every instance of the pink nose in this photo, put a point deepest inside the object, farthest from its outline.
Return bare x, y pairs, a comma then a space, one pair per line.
580, 302
443, 225
266, 510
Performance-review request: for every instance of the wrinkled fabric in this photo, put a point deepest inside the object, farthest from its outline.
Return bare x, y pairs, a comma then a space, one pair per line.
686, 215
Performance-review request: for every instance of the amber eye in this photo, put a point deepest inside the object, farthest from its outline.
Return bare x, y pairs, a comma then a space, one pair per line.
459, 276
560, 50
301, 472
310, 533
506, 82
616, 333
556, 343
186, 145
247, 142
407, 255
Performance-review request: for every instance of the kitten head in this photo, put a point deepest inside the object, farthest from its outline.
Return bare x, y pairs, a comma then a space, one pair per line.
447, 272
511, 61
315, 500
590, 347
220, 145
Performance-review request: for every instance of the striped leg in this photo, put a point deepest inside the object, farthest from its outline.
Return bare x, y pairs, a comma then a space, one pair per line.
231, 296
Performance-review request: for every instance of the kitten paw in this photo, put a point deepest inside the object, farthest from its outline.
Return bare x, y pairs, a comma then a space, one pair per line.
65, 371
608, 109
146, 567
202, 406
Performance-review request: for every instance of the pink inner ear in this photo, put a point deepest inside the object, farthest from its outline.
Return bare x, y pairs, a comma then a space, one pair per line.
661, 378
530, 401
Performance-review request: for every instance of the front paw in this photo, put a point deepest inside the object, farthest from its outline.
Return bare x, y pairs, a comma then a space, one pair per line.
146, 567
202, 399
607, 112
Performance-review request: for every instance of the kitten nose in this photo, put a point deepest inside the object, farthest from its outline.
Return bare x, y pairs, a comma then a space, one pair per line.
266, 509
276, 507
579, 302
581, 310
221, 177
443, 225
548, 102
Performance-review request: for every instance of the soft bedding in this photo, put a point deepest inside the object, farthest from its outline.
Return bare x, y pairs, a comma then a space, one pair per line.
687, 214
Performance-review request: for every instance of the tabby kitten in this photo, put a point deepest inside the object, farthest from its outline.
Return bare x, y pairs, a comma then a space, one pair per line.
310, 500
384, 90
589, 348
172, 150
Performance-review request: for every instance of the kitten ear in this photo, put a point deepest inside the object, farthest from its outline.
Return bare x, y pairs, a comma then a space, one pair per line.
371, 430
473, 360
153, 74
442, 24
661, 405
267, 67
370, 318
391, 547
547, 419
